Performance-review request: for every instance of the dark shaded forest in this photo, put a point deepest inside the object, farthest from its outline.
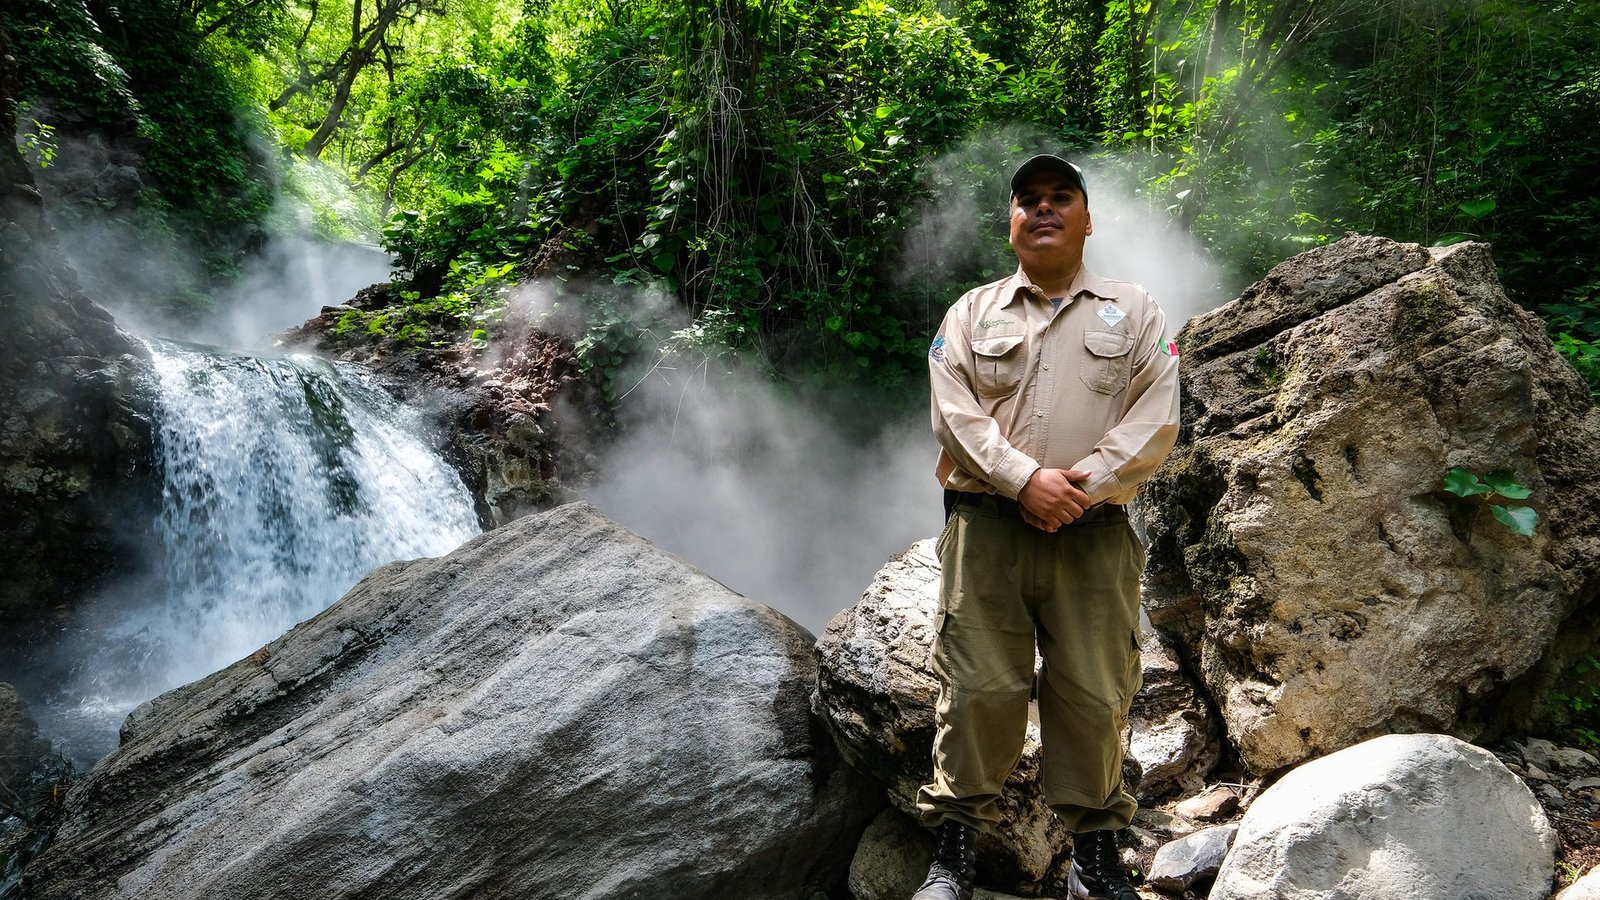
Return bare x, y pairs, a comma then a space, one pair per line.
762, 161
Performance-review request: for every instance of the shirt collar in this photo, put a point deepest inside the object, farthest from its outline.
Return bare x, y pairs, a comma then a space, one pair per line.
1085, 280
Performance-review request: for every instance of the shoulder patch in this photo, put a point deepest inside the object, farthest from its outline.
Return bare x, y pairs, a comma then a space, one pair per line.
936, 352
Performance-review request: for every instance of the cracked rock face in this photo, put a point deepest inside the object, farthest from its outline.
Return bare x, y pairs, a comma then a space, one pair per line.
75, 435
555, 710
1304, 556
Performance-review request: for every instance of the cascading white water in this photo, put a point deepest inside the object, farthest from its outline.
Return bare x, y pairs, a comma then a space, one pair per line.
286, 479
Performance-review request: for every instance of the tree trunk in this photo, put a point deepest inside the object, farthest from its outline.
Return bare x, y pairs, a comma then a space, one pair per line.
361, 52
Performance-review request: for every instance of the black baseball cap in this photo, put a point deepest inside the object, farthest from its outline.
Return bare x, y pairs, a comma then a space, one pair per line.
1046, 162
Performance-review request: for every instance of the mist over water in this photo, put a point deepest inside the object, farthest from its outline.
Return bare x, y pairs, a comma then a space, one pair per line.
138, 273
289, 281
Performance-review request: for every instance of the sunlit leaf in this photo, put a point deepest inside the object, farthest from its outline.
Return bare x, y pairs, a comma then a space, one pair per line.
1520, 519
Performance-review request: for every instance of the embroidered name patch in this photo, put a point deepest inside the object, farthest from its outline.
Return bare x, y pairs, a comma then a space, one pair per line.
1112, 314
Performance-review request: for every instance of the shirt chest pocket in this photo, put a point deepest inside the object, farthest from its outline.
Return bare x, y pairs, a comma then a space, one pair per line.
998, 363
1108, 362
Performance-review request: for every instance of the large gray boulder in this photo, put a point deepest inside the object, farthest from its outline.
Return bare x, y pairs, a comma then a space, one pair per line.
557, 709
876, 692
1414, 815
1303, 554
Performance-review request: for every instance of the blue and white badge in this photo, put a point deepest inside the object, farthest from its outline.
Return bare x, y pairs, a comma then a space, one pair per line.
1112, 314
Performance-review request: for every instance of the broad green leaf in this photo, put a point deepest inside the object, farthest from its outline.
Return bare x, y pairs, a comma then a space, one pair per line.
1462, 483
1478, 208
1454, 237
1506, 486
1520, 519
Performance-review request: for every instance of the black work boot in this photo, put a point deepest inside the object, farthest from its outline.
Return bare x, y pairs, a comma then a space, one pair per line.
1097, 869
954, 857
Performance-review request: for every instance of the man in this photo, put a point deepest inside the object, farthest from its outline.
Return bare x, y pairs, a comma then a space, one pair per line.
1055, 393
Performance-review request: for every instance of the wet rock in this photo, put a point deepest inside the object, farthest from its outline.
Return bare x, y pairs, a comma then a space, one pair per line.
1366, 822
558, 709
75, 436
495, 403
1191, 861
21, 749
1304, 557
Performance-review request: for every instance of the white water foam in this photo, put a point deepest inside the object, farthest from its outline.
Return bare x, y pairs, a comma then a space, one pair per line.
285, 480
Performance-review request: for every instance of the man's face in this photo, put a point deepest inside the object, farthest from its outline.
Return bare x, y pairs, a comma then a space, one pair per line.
1049, 219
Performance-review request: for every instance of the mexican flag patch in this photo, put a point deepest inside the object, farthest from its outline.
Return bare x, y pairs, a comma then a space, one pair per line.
1170, 348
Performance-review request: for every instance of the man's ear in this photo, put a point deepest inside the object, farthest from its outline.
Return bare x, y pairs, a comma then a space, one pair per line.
1088, 224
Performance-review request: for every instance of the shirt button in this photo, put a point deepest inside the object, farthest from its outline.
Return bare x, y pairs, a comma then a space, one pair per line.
1039, 414
1047, 367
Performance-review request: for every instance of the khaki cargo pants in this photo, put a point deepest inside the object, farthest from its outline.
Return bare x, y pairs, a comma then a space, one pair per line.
1004, 585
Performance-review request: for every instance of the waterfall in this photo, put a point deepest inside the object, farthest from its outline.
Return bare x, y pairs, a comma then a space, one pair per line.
285, 480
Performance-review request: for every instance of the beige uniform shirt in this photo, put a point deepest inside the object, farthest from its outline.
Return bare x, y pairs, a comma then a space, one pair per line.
1019, 384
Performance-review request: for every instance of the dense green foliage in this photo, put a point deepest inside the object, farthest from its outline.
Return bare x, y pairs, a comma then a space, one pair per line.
774, 164
141, 75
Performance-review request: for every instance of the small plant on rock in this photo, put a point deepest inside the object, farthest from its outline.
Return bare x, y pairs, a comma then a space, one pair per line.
1482, 492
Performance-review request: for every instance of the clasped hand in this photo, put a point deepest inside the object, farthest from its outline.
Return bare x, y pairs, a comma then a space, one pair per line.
1051, 499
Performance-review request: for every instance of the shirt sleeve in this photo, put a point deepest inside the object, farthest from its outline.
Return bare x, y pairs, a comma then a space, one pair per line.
971, 437
1130, 452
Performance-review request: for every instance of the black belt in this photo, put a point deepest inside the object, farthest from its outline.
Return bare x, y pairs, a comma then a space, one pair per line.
1007, 508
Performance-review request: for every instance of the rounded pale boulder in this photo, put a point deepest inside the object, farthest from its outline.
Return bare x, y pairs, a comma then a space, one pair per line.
1414, 815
